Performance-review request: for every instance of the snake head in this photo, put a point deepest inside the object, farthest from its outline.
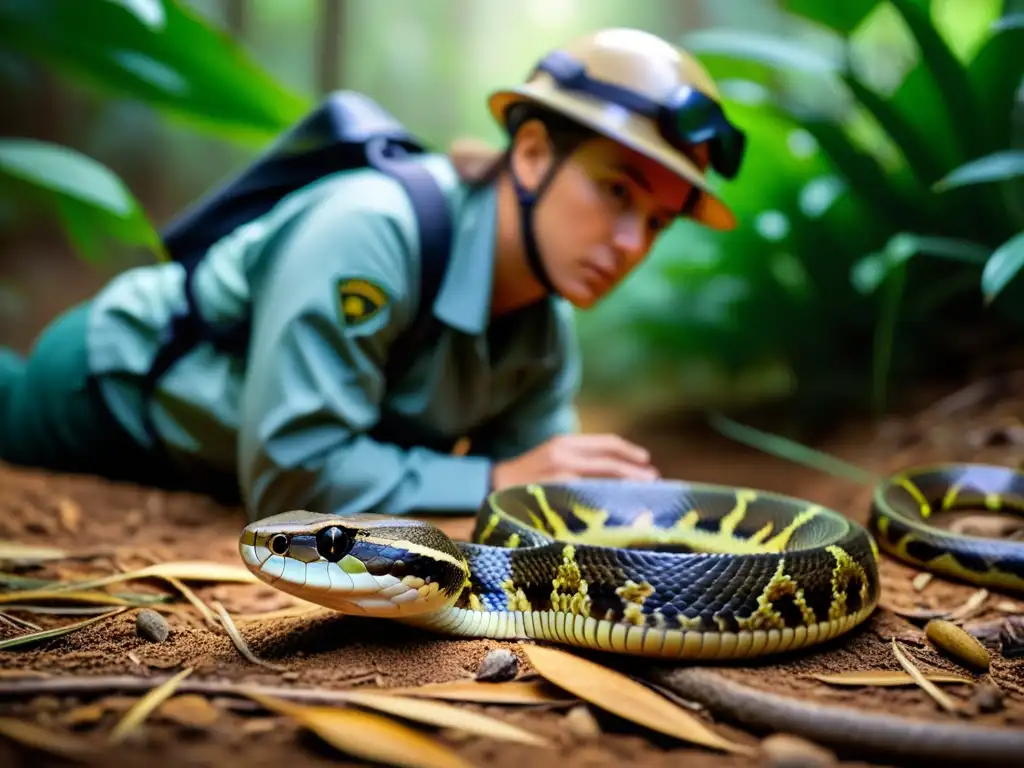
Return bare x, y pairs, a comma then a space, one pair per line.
364, 564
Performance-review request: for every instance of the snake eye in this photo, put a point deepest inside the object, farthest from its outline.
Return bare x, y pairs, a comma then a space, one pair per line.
278, 544
333, 543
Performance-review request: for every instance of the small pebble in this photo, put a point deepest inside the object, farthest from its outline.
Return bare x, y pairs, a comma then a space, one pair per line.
989, 698
151, 625
783, 750
498, 666
581, 723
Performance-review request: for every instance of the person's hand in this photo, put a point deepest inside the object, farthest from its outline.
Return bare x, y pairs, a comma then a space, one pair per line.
569, 457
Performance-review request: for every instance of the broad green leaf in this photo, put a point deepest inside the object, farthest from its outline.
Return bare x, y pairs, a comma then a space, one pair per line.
999, 166
67, 172
179, 63
763, 47
149, 12
90, 201
1004, 265
842, 17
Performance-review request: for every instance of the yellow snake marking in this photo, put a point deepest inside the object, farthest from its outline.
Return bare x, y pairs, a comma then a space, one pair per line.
517, 600
761, 535
949, 499
554, 521
728, 524
592, 518
686, 522
846, 570
574, 599
882, 523
418, 549
874, 547
512, 541
766, 615
474, 603
778, 542
350, 564
634, 595
492, 523
904, 482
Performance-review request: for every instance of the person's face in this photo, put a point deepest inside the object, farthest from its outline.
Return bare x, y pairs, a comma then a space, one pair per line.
599, 218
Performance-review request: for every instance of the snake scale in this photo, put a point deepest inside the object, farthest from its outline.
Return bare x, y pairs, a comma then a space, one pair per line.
665, 569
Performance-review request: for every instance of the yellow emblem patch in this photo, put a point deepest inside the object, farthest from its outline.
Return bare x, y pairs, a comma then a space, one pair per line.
360, 300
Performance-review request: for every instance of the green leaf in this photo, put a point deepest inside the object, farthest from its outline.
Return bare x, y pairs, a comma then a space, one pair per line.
999, 166
66, 171
762, 47
842, 16
160, 53
916, 146
1002, 267
1009, 21
868, 273
885, 333
90, 200
784, 448
948, 74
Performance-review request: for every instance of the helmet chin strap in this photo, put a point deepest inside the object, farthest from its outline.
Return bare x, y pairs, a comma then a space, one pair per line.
527, 205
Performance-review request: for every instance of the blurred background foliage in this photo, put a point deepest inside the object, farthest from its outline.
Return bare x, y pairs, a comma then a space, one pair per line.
881, 203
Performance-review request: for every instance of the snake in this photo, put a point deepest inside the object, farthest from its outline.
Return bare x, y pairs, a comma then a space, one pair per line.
666, 569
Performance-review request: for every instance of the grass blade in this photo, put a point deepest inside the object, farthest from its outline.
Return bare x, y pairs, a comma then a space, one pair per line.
444, 716
927, 686
134, 717
1004, 264
365, 735
883, 678
23, 554
995, 167
85, 596
239, 641
622, 696
789, 449
186, 570
48, 634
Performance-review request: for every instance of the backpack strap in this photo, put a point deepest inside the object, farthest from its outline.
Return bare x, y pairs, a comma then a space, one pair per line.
434, 224
433, 221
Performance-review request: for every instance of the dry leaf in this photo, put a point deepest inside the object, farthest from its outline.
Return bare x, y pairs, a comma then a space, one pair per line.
444, 716
922, 580
193, 598
239, 641
969, 608
24, 554
365, 735
940, 698
190, 710
133, 717
624, 697
70, 515
880, 678
54, 742
515, 692
48, 634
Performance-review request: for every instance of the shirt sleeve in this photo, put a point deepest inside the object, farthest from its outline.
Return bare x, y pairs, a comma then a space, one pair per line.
548, 408
314, 382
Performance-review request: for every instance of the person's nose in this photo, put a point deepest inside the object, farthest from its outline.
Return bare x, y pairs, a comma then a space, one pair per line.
630, 238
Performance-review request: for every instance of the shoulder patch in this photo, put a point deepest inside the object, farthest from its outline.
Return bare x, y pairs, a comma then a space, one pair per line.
360, 300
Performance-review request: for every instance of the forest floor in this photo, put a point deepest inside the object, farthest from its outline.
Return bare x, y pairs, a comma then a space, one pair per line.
74, 688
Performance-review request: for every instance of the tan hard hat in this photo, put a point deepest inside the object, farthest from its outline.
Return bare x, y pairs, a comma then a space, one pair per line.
646, 65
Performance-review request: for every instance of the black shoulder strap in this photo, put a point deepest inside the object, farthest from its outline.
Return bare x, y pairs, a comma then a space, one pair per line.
434, 224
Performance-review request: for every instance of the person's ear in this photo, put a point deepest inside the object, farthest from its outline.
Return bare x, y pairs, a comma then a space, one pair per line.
532, 154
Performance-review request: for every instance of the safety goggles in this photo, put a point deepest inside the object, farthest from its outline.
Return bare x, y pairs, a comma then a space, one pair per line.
689, 117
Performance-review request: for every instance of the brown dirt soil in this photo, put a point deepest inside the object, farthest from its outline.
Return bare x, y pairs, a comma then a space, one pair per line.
125, 527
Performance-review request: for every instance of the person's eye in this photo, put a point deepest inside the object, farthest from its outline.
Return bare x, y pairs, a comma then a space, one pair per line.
619, 192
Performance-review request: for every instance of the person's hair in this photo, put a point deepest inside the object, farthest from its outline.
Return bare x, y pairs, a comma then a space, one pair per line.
478, 163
